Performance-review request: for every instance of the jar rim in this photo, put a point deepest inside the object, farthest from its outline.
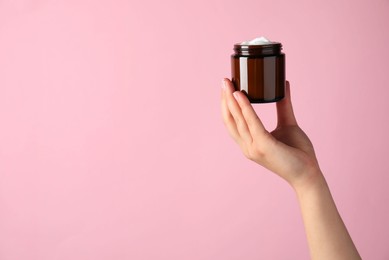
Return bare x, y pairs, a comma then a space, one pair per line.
273, 48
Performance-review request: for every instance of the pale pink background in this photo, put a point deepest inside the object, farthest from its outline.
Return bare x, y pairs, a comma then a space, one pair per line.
112, 145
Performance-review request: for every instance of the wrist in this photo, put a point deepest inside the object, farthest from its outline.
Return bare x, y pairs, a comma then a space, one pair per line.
312, 180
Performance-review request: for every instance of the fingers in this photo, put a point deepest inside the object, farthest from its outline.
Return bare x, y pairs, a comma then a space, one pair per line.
237, 126
228, 119
254, 124
285, 113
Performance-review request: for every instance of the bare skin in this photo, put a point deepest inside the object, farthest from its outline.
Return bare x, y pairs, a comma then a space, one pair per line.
288, 152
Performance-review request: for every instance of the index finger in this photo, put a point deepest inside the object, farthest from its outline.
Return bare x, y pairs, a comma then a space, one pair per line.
254, 124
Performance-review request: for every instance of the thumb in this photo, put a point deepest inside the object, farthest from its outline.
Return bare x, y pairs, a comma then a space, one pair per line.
285, 115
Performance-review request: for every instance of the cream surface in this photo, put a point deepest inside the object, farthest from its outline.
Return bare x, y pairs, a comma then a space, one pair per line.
257, 41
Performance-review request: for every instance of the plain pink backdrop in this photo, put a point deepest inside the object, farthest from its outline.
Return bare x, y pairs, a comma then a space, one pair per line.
112, 144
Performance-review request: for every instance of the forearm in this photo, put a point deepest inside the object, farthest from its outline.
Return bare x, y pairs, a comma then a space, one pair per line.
327, 235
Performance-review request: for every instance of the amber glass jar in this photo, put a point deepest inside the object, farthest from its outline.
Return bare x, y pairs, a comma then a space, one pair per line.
259, 71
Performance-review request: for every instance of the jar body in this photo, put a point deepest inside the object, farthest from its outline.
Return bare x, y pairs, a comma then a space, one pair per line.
262, 78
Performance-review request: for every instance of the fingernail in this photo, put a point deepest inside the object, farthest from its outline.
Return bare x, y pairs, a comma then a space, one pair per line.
224, 84
236, 96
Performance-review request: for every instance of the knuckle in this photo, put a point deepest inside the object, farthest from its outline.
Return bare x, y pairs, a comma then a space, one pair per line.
228, 120
247, 154
257, 154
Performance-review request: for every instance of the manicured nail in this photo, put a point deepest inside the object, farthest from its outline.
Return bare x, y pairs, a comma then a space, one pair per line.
236, 96
224, 84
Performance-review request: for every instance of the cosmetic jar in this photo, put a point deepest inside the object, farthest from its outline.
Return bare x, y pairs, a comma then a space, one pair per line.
258, 70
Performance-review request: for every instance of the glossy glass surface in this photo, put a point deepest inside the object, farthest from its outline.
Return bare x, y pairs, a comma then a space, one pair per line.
261, 78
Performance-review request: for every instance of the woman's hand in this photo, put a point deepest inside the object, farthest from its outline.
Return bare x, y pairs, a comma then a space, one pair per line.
286, 150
